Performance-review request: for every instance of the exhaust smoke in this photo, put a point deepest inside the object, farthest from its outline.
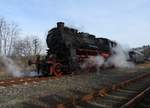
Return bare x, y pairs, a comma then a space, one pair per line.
93, 61
118, 59
31, 74
10, 67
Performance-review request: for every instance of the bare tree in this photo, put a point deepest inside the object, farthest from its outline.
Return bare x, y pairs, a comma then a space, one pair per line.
14, 33
27, 47
8, 33
22, 48
2, 28
36, 45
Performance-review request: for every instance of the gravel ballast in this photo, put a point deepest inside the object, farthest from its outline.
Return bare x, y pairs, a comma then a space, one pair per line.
46, 94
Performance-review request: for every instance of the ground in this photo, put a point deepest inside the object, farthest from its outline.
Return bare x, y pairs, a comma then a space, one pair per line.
46, 94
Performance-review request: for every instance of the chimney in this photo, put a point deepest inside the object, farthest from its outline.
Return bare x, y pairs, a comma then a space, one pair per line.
60, 26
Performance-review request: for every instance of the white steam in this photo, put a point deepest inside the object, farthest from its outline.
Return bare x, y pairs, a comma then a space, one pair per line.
10, 67
32, 74
93, 61
118, 59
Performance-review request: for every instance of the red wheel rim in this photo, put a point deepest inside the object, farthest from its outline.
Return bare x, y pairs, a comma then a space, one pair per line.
57, 69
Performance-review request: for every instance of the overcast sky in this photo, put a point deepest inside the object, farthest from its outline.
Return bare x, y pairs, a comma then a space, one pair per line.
126, 21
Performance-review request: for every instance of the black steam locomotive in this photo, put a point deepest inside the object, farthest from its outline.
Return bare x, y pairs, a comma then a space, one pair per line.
68, 49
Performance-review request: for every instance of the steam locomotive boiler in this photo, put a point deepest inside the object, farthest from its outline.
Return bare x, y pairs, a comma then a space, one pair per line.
68, 49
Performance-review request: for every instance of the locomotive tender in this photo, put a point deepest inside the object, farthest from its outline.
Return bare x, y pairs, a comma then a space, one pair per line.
68, 49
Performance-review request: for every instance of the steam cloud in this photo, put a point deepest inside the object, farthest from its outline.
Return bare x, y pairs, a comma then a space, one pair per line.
119, 59
93, 61
32, 74
10, 67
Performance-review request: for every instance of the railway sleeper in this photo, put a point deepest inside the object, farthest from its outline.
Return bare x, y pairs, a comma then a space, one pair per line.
92, 105
145, 103
124, 91
116, 99
135, 88
109, 102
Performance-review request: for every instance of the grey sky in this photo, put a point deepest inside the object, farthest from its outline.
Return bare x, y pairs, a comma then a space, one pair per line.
126, 21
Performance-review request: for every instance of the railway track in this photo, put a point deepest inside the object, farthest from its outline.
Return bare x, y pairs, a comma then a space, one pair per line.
120, 95
23, 80
123, 95
145, 102
141, 100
